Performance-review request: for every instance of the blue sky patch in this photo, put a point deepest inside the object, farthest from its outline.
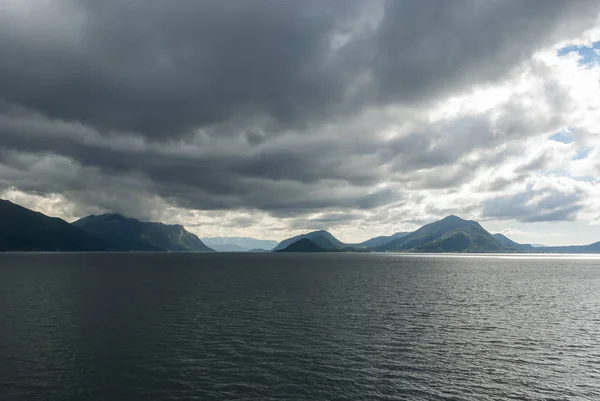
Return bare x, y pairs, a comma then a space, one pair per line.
587, 54
565, 136
581, 154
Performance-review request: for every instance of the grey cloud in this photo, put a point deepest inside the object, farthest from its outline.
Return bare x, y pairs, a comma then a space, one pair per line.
193, 183
466, 211
539, 163
241, 222
501, 183
324, 222
88, 189
428, 47
535, 205
161, 68
445, 143
336, 217
284, 178
206, 181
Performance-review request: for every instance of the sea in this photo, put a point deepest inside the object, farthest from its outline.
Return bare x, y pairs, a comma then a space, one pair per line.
185, 326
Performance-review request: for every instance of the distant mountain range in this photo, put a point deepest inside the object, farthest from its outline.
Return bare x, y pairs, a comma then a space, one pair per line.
22, 229
229, 248
592, 248
239, 244
451, 234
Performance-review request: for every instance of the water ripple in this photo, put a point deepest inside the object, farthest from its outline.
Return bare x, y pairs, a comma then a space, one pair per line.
297, 327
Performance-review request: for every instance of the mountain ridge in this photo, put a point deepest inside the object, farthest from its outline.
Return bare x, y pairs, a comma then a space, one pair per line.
126, 233
508, 242
22, 229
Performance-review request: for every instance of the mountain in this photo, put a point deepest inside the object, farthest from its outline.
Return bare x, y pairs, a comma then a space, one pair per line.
304, 245
451, 234
22, 229
379, 241
245, 243
503, 239
124, 233
321, 238
229, 248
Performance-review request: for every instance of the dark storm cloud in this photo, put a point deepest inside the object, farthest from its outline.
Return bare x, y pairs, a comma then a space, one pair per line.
162, 68
222, 174
215, 104
426, 47
197, 181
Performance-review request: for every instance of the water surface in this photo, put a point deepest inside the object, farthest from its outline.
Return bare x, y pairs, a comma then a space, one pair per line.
297, 327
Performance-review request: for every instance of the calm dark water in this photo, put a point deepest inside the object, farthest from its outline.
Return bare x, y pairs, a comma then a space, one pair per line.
297, 327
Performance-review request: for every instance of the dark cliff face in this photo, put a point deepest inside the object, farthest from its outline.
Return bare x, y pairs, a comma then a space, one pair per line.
22, 229
124, 233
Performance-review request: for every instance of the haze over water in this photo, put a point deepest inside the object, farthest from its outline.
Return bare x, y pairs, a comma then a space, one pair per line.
298, 326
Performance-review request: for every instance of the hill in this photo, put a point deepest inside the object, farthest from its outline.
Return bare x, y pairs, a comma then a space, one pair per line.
303, 245
321, 238
451, 234
22, 229
124, 233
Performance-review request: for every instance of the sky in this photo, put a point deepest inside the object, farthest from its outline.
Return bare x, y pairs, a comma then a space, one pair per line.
272, 118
